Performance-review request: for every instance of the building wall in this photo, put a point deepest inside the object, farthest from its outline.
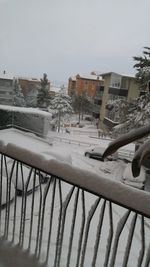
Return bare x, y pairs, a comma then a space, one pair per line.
115, 79
133, 91
83, 84
107, 82
118, 83
71, 85
6, 91
28, 85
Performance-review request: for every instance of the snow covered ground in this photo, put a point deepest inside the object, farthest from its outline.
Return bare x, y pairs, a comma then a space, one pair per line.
69, 149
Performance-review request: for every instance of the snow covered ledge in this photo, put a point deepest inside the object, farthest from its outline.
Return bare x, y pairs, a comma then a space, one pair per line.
117, 192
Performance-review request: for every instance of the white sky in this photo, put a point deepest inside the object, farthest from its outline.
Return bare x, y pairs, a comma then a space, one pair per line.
66, 37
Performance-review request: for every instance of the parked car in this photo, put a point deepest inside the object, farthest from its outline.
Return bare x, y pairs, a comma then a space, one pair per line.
97, 153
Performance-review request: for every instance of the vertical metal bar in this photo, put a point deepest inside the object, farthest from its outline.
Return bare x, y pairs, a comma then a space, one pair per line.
9, 196
147, 262
98, 234
59, 222
51, 218
42, 217
110, 237
32, 210
15, 204
141, 254
129, 242
62, 225
1, 189
24, 206
90, 216
72, 228
120, 227
82, 229
7, 190
39, 216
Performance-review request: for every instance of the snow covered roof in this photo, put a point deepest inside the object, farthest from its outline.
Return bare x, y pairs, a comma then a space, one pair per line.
25, 110
55, 89
28, 78
109, 73
73, 78
129, 75
89, 77
123, 75
5, 75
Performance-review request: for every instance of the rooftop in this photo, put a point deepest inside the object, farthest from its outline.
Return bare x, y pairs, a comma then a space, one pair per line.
5, 75
87, 77
123, 75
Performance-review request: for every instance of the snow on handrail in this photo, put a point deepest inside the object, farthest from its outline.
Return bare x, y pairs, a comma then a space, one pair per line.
68, 224
117, 192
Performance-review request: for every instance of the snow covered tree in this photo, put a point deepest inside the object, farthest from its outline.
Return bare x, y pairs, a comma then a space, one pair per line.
143, 68
31, 98
43, 97
82, 104
60, 105
138, 114
18, 97
118, 109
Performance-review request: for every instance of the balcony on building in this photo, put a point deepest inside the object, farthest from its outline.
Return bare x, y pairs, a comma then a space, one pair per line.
118, 91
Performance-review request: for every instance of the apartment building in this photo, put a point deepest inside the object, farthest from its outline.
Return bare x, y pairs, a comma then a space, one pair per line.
6, 88
116, 86
29, 85
85, 83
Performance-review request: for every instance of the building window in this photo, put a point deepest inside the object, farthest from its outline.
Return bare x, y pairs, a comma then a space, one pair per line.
116, 84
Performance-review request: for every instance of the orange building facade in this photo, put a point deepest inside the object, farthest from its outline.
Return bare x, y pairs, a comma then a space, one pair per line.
84, 84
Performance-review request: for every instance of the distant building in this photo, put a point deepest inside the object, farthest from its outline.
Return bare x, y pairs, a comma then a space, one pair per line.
116, 86
29, 85
30, 88
84, 84
6, 88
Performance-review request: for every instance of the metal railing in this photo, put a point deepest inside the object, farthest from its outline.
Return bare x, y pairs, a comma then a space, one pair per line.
61, 223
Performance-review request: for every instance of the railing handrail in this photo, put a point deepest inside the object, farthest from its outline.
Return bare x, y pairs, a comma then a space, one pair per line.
131, 198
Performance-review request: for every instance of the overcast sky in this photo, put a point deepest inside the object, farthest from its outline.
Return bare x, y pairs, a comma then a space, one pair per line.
66, 37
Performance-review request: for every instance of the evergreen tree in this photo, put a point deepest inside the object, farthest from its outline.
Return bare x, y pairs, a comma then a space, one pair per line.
143, 68
31, 98
18, 97
61, 105
43, 97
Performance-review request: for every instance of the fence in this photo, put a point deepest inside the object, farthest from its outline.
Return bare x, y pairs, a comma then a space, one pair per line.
62, 216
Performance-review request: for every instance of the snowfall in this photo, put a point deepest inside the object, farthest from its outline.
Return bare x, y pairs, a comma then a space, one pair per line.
62, 154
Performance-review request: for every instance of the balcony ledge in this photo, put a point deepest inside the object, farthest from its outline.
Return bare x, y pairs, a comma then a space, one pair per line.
115, 191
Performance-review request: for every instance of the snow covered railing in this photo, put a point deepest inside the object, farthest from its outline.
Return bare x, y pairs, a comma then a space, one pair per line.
13, 126
72, 141
76, 218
